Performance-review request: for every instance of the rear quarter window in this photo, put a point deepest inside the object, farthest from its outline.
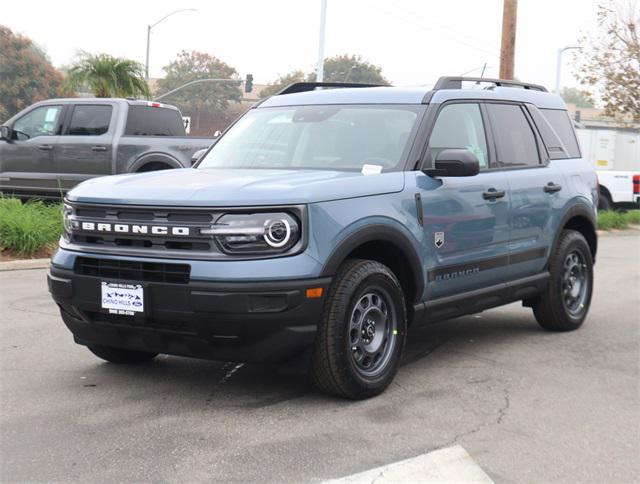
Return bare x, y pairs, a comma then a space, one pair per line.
151, 121
562, 125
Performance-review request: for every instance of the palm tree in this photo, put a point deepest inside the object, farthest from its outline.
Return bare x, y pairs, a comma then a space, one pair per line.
108, 76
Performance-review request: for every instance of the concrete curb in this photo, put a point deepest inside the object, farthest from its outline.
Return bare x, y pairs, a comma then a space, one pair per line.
24, 264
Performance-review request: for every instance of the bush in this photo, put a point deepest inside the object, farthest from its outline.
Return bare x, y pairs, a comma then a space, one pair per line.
611, 220
633, 217
26, 228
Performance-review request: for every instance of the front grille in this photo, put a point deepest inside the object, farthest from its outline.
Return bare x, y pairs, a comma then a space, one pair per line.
133, 271
130, 243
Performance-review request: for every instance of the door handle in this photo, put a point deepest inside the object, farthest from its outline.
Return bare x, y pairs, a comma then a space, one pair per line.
98, 148
552, 188
45, 147
492, 194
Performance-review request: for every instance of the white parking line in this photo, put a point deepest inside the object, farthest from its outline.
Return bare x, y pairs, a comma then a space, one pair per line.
451, 465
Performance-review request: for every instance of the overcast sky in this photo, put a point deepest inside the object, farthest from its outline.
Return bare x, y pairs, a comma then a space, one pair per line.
415, 41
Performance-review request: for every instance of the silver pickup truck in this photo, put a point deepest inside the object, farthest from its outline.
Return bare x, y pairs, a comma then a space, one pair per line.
48, 148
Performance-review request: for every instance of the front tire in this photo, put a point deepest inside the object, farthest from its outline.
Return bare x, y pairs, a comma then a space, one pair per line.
121, 356
362, 333
564, 304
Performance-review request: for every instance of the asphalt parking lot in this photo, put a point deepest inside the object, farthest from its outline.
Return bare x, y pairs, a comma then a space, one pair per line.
527, 405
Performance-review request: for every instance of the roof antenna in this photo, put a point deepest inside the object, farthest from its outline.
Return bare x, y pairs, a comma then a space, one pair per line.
483, 68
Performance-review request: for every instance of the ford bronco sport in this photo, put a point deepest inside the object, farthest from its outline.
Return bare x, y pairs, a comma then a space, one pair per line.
325, 222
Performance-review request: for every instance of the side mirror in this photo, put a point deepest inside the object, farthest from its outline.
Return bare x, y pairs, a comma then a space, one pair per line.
217, 134
454, 162
6, 132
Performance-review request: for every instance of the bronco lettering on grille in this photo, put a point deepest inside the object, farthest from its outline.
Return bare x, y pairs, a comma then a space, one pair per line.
134, 229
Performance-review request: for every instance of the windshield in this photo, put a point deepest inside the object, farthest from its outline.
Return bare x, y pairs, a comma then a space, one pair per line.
316, 137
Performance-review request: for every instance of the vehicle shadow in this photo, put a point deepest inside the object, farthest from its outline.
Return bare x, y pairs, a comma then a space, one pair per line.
237, 385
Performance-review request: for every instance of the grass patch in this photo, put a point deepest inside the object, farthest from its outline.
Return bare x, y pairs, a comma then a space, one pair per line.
618, 220
29, 228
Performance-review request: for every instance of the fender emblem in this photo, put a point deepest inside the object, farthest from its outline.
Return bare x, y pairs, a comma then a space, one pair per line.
438, 239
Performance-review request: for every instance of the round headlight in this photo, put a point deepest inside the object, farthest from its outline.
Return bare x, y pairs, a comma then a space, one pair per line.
277, 232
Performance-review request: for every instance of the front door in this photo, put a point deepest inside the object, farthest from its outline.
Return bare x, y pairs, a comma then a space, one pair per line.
85, 147
466, 219
27, 160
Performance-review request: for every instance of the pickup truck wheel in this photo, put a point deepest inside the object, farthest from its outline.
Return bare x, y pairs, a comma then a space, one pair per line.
564, 304
604, 202
154, 166
362, 333
121, 356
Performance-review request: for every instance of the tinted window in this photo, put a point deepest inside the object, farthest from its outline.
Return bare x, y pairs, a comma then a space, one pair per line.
562, 125
42, 121
459, 126
90, 120
150, 121
552, 142
515, 142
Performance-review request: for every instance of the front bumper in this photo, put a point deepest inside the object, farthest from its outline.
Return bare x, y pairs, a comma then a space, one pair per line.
248, 322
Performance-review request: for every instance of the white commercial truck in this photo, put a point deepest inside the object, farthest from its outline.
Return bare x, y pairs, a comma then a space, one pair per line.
615, 153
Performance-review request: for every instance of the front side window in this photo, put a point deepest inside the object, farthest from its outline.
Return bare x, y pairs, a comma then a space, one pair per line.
515, 142
90, 120
344, 138
42, 121
459, 126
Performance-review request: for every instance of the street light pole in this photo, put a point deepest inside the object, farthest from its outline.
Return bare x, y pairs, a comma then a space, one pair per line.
559, 64
149, 27
323, 21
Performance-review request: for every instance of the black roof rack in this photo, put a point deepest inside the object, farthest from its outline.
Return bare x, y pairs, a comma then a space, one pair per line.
310, 86
456, 83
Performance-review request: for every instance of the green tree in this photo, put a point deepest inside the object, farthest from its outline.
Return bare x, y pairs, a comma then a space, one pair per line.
352, 68
210, 98
107, 76
283, 81
26, 75
341, 68
610, 59
579, 97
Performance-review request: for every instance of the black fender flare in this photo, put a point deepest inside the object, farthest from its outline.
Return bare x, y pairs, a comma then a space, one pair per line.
579, 209
375, 233
154, 158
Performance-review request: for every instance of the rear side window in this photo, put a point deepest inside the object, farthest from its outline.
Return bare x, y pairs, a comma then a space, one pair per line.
515, 141
150, 121
90, 120
562, 125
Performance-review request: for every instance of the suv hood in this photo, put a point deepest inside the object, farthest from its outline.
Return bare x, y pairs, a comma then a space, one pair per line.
233, 187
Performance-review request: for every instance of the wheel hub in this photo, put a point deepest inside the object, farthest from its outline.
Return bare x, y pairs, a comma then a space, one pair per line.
371, 334
574, 282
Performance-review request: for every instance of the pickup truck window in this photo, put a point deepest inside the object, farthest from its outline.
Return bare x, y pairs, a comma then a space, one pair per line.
152, 121
316, 137
90, 120
42, 121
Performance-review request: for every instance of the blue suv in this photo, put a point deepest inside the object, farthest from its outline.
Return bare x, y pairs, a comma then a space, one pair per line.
328, 220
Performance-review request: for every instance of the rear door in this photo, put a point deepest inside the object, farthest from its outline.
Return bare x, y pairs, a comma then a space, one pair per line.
27, 160
85, 147
465, 218
536, 187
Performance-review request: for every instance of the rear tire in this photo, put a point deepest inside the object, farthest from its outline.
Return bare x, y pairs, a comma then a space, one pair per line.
121, 356
564, 304
604, 202
362, 333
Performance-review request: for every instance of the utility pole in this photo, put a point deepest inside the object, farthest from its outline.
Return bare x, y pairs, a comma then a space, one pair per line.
323, 21
508, 46
149, 27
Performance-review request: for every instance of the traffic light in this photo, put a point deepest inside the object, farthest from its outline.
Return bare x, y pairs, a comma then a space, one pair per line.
248, 83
